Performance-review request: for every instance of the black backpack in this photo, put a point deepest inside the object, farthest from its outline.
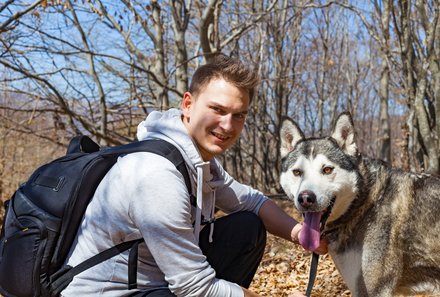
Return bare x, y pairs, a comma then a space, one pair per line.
43, 216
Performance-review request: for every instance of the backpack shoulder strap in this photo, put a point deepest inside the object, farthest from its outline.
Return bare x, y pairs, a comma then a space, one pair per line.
63, 277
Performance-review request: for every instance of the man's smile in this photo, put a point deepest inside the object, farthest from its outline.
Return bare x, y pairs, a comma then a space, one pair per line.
220, 136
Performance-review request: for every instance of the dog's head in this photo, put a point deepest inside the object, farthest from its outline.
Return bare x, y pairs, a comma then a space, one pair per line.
319, 174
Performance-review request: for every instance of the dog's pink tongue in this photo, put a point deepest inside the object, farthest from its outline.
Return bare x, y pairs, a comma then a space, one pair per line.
310, 234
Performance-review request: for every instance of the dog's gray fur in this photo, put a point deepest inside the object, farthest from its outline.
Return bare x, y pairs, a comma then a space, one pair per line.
383, 229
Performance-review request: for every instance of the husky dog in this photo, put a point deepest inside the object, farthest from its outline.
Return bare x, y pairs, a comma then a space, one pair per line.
383, 224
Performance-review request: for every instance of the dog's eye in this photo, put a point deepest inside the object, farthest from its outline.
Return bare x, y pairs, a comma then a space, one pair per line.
296, 172
327, 170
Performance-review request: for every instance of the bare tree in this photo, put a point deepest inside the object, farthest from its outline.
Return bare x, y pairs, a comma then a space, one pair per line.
420, 68
147, 17
384, 13
93, 72
180, 20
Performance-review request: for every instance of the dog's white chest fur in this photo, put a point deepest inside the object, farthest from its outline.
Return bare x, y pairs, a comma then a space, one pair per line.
349, 265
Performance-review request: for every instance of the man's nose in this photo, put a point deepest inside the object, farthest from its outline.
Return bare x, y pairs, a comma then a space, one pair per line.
226, 122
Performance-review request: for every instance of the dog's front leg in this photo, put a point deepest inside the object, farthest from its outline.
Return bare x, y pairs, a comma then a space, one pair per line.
380, 290
379, 273
365, 271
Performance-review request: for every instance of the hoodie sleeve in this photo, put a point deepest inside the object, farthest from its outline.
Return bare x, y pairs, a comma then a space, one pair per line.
232, 196
160, 207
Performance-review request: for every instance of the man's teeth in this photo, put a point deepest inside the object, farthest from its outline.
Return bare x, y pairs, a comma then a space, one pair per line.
219, 136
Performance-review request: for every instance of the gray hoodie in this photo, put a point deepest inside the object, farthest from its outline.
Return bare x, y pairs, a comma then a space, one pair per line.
144, 195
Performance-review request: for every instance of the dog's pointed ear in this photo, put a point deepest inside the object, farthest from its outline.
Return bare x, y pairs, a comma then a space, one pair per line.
290, 134
344, 134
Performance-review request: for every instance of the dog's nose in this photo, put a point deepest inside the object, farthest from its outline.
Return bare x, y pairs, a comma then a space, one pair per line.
306, 198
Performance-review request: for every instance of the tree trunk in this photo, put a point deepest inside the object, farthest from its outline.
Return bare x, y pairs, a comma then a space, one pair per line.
180, 21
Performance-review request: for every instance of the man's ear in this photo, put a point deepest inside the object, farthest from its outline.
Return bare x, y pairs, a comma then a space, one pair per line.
187, 102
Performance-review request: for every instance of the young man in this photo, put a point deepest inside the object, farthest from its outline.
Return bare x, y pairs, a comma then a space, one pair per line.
185, 252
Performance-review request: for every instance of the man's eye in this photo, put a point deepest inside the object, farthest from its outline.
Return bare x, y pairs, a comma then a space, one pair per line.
296, 172
240, 116
217, 110
327, 170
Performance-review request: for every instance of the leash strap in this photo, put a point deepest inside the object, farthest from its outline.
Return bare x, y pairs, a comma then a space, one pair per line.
312, 273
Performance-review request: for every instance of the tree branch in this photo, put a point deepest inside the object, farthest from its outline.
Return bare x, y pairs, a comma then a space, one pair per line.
17, 15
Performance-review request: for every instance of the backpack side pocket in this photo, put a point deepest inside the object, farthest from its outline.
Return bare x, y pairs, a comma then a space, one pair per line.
21, 248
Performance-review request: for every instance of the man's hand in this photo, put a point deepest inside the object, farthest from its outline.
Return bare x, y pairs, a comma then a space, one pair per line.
323, 245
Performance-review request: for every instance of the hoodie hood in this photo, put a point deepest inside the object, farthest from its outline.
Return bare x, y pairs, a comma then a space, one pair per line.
169, 126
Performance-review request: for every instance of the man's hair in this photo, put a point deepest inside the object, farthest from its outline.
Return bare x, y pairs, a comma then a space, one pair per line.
229, 69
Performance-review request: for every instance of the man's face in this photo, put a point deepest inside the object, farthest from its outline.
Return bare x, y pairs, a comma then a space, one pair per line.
216, 117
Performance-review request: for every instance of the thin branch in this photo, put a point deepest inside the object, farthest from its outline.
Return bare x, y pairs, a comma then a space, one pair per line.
17, 15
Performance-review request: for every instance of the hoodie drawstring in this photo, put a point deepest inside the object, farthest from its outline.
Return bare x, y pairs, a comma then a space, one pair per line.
202, 168
199, 201
211, 225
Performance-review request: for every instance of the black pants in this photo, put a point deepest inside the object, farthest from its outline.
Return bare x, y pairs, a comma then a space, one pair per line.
238, 245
